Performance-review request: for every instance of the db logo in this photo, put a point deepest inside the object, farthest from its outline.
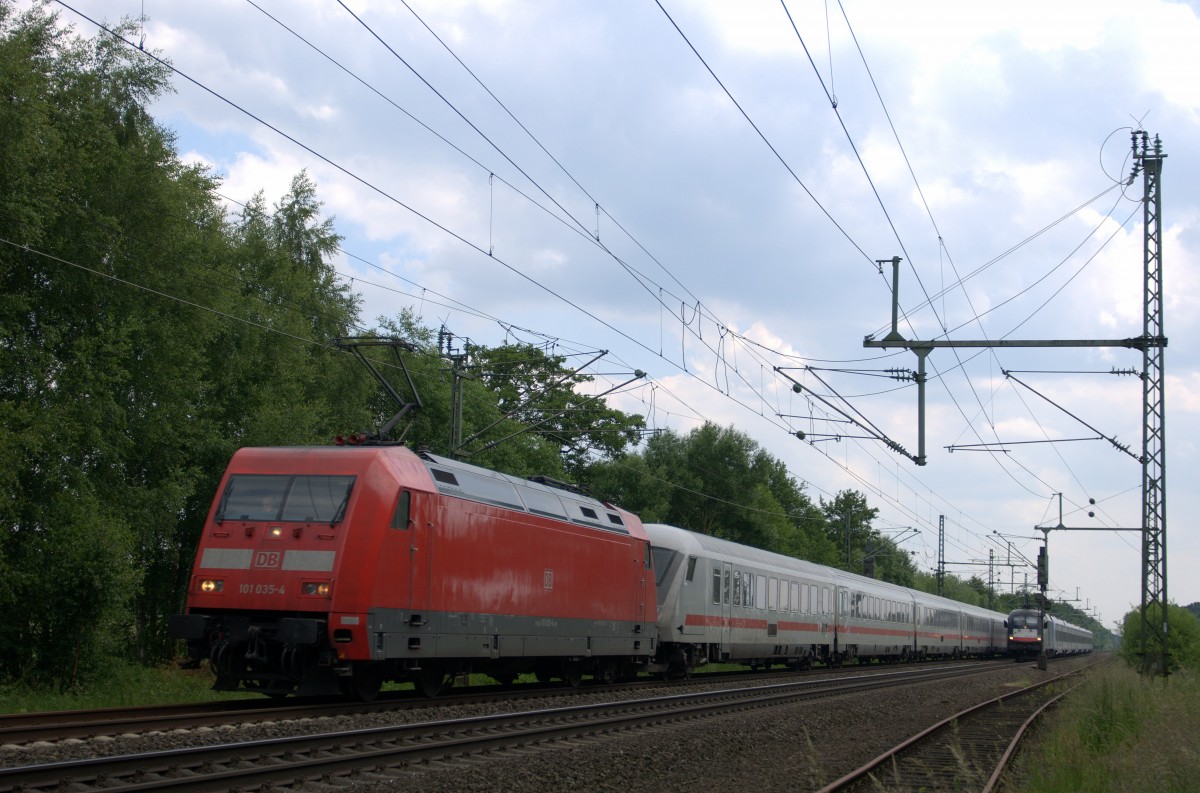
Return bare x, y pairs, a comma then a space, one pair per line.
267, 558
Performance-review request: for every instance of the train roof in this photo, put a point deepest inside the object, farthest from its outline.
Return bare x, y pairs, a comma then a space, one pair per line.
546, 497
691, 542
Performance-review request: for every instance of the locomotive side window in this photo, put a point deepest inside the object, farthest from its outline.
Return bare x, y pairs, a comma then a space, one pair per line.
400, 516
691, 570
542, 502
488, 489
319, 499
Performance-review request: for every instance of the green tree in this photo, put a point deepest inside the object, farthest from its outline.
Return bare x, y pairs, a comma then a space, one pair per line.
1183, 637
847, 524
120, 399
87, 376
718, 481
539, 391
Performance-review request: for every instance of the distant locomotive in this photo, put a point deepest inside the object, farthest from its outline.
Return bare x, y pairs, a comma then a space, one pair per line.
1056, 636
336, 569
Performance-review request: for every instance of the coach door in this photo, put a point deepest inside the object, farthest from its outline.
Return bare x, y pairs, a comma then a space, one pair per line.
841, 605
726, 608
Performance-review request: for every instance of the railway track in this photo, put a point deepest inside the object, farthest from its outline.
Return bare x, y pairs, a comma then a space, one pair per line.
29, 728
967, 751
384, 750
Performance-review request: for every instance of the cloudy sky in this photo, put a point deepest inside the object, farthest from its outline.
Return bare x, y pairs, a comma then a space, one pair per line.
703, 190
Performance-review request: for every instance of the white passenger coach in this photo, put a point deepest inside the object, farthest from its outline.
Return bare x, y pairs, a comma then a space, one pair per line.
721, 601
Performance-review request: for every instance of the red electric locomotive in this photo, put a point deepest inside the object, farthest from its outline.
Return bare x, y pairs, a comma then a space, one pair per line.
334, 569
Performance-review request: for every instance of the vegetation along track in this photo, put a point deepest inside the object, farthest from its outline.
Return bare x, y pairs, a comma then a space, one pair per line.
967, 751
291, 759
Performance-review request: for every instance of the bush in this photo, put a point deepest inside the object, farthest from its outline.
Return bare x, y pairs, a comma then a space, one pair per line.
1183, 638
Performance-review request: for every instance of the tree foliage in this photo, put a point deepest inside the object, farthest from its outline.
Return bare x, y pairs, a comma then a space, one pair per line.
718, 481
1183, 638
120, 401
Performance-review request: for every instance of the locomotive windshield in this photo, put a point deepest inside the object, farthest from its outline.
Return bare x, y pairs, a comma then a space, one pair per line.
316, 499
1023, 619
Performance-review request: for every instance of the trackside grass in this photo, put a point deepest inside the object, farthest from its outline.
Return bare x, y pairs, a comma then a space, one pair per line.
1119, 732
123, 686
128, 686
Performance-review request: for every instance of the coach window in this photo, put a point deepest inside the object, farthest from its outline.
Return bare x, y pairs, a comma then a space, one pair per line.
716, 584
785, 596
400, 516
737, 587
773, 594
760, 593
727, 577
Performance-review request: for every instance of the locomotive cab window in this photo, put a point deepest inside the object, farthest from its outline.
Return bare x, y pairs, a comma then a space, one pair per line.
400, 516
691, 570
317, 499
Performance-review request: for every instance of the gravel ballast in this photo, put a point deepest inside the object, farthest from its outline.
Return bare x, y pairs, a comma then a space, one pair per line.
795, 747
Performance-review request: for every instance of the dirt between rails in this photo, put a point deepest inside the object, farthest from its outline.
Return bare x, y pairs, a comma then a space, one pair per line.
794, 747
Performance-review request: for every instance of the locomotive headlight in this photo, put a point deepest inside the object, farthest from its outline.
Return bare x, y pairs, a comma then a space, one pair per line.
276, 532
315, 588
210, 585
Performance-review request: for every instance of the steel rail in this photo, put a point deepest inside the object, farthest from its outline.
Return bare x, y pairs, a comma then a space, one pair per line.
862, 774
260, 762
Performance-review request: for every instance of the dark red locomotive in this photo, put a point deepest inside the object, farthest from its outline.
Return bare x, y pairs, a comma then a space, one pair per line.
330, 569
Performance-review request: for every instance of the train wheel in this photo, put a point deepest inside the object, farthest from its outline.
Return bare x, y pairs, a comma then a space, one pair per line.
430, 680
606, 673
366, 682
572, 674
504, 678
